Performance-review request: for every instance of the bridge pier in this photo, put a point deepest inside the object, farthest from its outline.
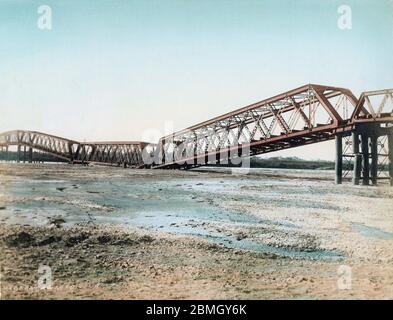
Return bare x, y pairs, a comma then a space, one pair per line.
369, 155
374, 158
357, 163
18, 154
30, 154
339, 159
365, 160
390, 146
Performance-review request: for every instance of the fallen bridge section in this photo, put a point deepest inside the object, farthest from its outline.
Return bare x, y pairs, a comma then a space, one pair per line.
306, 115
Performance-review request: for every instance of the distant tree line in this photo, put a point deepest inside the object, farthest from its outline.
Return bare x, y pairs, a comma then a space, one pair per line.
297, 163
292, 163
255, 162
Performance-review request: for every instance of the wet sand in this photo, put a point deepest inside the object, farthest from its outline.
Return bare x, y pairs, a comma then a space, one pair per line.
116, 233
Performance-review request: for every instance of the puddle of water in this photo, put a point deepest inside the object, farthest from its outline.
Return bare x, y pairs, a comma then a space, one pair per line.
372, 232
176, 224
282, 251
167, 206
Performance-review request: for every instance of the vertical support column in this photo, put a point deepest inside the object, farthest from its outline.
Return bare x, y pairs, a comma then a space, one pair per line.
175, 152
365, 156
30, 154
374, 158
218, 157
24, 154
162, 151
76, 154
18, 154
390, 146
71, 155
357, 161
339, 159
6, 154
195, 150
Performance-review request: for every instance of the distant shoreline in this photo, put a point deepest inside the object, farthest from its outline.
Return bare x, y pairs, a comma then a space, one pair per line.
255, 162
291, 163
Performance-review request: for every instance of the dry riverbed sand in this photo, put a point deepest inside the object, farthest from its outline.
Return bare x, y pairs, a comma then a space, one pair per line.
265, 235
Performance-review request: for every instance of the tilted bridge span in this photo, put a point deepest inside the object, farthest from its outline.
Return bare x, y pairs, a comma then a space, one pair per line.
362, 128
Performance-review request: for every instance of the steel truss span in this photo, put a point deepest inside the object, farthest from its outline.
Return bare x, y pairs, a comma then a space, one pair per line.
126, 153
306, 115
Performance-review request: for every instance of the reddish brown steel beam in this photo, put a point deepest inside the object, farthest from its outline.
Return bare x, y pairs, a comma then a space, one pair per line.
261, 103
63, 148
360, 105
274, 108
329, 108
328, 128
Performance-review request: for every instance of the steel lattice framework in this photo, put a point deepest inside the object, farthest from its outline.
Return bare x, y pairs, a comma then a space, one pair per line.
374, 106
306, 115
115, 153
372, 116
309, 114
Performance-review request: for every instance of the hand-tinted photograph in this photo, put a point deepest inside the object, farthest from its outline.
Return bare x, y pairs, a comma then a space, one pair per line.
196, 150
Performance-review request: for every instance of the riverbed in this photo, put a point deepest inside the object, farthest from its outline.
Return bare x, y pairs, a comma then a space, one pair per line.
292, 230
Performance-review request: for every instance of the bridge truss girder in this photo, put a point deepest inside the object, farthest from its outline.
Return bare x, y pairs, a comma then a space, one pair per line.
305, 115
127, 153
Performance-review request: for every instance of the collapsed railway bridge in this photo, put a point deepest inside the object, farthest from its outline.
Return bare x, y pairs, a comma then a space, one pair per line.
362, 128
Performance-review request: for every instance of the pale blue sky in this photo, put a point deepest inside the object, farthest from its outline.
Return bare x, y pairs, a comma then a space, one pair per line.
110, 70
